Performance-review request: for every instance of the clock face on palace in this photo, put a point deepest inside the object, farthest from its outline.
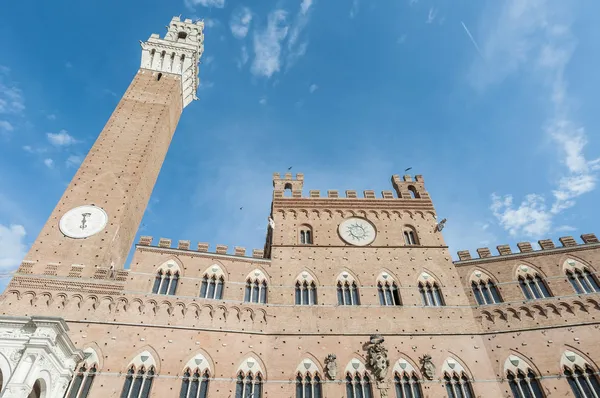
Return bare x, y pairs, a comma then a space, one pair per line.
83, 221
357, 231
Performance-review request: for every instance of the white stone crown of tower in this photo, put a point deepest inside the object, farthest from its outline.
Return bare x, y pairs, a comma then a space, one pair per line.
178, 53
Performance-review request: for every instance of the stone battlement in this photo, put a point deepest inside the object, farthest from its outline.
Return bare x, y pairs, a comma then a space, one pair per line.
201, 247
406, 187
525, 247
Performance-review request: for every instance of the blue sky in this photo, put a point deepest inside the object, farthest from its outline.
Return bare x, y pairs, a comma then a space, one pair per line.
492, 101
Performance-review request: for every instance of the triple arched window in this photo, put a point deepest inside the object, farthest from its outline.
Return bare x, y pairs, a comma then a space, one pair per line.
387, 290
484, 289
347, 290
248, 385
358, 385
581, 377
308, 385
306, 290
165, 282
213, 282
406, 381
431, 294
194, 384
457, 383
84, 377
256, 287
580, 277
532, 284
522, 380
138, 382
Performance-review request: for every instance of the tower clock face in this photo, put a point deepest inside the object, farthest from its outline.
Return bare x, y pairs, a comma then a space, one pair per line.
357, 231
83, 221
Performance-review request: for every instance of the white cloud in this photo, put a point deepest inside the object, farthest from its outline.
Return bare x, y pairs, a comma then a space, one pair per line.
61, 138
11, 98
191, 4
263, 101
6, 126
12, 246
51, 116
296, 47
530, 218
313, 88
305, 6
240, 22
267, 45
74, 161
431, 15
205, 84
210, 23
49, 163
243, 57
536, 38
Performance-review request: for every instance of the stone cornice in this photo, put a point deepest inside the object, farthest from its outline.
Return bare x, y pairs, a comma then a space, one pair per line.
354, 203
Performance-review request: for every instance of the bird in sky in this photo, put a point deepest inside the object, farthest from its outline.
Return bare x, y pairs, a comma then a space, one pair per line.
289, 168
241, 207
410, 168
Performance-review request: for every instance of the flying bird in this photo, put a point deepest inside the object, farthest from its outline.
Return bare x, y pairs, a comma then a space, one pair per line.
405, 170
241, 207
289, 168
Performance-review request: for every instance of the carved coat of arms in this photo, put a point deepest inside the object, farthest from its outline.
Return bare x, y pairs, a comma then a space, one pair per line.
428, 367
377, 357
331, 366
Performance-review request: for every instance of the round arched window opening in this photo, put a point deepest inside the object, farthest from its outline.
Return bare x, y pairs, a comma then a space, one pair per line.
38, 390
182, 35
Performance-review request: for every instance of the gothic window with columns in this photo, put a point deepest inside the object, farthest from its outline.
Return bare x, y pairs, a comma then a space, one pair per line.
406, 381
456, 380
167, 277
582, 378
306, 235
306, 290
140, 375
484, 289
581, 278
429, 289
532, 284
522, 380
249, 383
256, 287
358, 380
410, 235
347, 290
195, 378
387, 290
213, 282
84, 376
308, 380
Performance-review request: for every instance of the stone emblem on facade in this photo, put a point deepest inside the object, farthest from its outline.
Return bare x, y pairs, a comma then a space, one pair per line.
331, 366
377, 357
428, 367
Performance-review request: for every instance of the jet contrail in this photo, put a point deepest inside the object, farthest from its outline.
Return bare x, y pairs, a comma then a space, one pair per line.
472, 39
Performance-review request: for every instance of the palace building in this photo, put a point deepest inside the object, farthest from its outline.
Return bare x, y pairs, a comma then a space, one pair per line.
352, 296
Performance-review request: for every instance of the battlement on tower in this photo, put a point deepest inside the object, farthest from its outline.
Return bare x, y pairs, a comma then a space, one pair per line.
202, 247
567, 242
406, 187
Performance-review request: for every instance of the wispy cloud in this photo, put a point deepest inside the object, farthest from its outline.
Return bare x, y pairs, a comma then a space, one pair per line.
535, 38
313, 88
192, 4
354, 8
11, 97
471, 37
431, 15
62, 138
267, 44
6, 126
240, 22
243, 57
296, 47
49, 163
262, 101
74, 161
12, 246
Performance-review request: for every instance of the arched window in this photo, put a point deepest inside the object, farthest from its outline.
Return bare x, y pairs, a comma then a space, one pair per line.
414, 194
308, 380
287, 190
38, 388
248, 385
194, 384
347, 290
532, 284
358, 385
406, 381
457, 382
138, 382
387, 290
431, 294
256, 287
167, 277
484, 289
213, 282
410, 236
580, 277
581, 377
84, 377
306, 290
522, 380
306, 235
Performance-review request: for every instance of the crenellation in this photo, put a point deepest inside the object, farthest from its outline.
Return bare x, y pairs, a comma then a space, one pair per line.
221, 249
484, 252
464, 255
332, 193
145, 240
369, 194
183, 245
387, 194
546, 244
164, 242
240, 251
503, 249
314, 193
525, 247
258, 253
351, 194
202, 247
589, 238
567, 241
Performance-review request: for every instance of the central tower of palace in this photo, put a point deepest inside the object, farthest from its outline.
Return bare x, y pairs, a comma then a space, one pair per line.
96, 219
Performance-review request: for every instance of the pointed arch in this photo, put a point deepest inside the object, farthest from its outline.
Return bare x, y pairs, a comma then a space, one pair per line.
411, 238
358, 379
532, 282
430, 290
308, 377
200, 361
522, 378
167, 276
484, 287
145, 356
407, 380
581, 276
580, 374
251, 362
85, 373
213, 282
257, 286
456, 378
305, 289
347, 289
250, 377
387, 289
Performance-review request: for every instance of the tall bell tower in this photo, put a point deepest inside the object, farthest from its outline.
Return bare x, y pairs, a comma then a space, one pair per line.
95, 221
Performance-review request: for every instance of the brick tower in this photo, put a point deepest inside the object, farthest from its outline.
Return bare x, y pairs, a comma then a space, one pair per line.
96, 219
